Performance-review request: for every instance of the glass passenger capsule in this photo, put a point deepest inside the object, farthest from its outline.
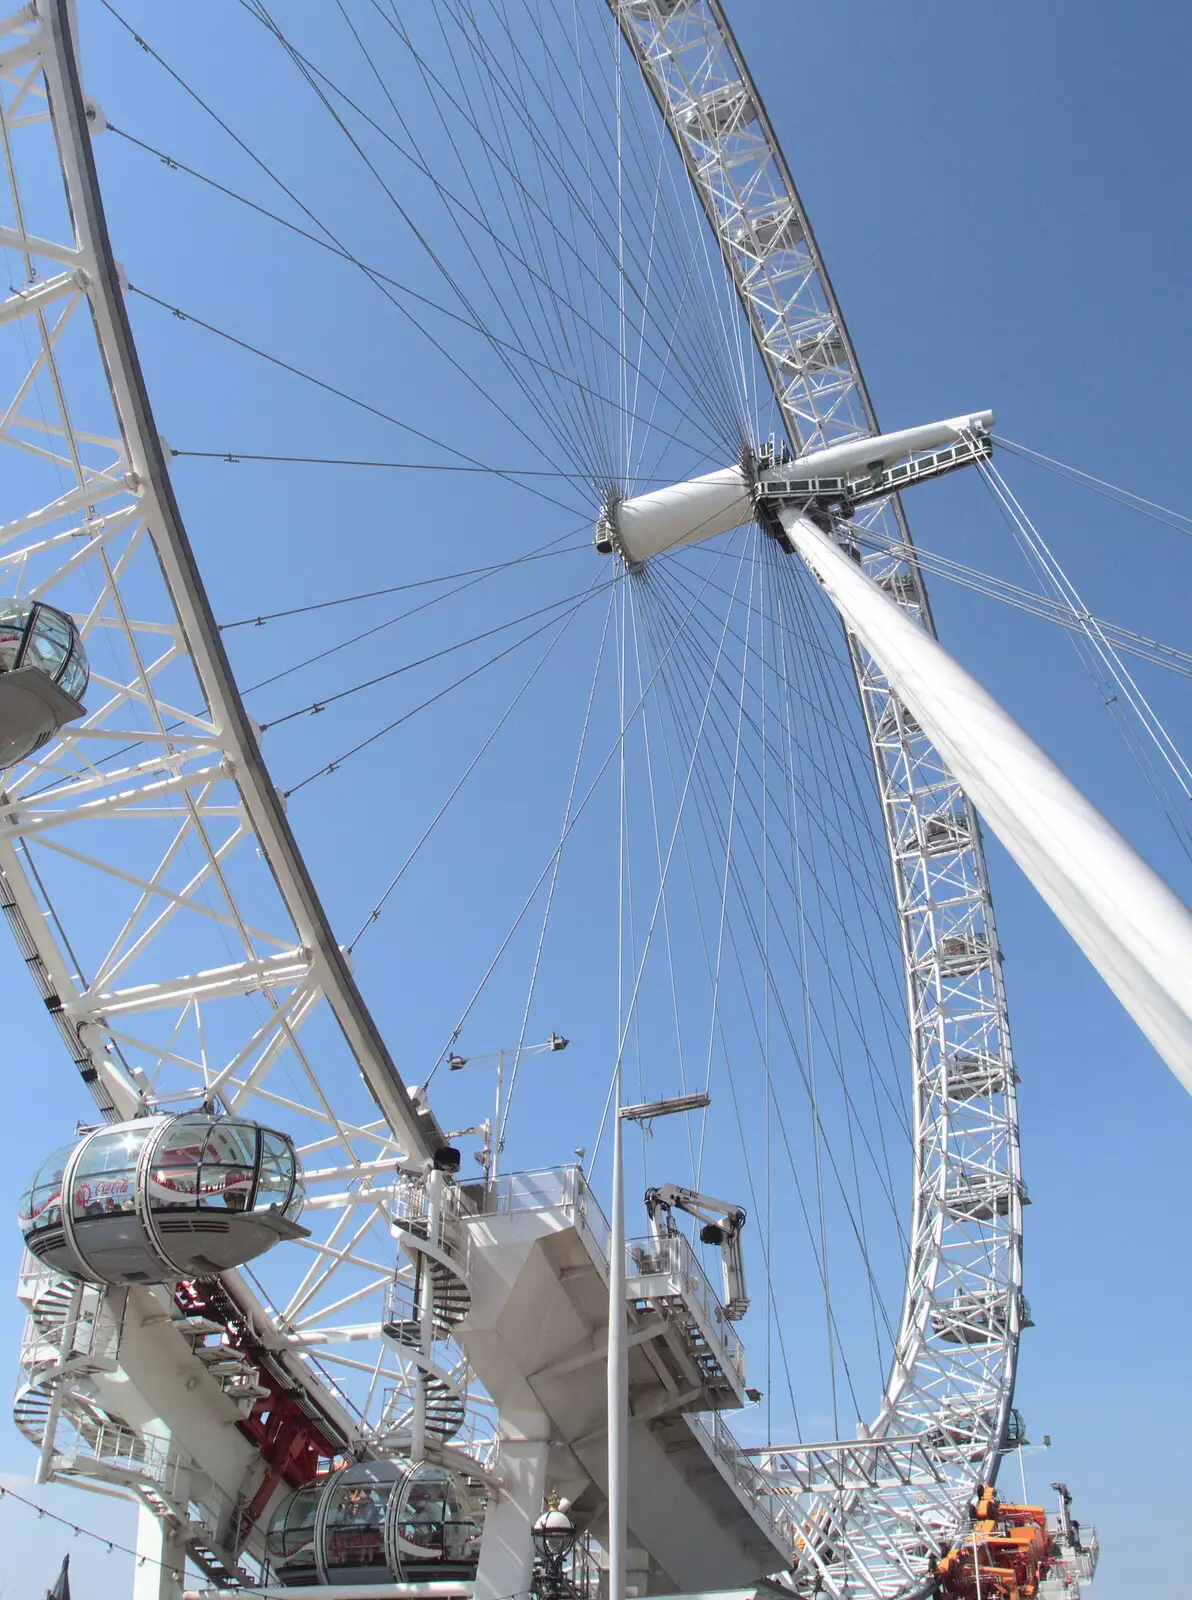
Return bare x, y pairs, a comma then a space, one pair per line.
377, 1522
43, 676
163, 1198
973, 1075
979, 1317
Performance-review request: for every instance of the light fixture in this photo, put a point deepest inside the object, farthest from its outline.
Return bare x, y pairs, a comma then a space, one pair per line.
665, 1108
490, 1158
554, 1540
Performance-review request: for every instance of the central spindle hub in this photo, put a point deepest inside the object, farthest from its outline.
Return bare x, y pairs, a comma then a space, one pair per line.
836, 479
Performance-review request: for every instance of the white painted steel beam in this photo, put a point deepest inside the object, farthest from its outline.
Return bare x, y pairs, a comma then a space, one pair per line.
40, 295
1133, 928
36, 819
30, 244
97, 487
884, 449
131, 980
280, 971
416, 1128
680, 514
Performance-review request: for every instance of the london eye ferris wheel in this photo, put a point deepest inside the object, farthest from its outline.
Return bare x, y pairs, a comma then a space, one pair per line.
440, 722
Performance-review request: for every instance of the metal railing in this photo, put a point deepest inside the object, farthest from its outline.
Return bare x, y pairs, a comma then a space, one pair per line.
583, 1569
566, 1188
760, 1492
401, 1308
1085, 1558
477, 1436
78, 1328
549, 1189
89, 1327
410, 1206
101, 1444
112, 1452
674, 1257
446, 1355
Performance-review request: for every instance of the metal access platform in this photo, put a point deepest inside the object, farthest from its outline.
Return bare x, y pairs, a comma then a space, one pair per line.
537, 1334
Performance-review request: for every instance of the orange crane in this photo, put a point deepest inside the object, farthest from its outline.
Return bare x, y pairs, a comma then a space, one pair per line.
1007, 1555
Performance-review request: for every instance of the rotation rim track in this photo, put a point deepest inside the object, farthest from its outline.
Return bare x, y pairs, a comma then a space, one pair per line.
711, 106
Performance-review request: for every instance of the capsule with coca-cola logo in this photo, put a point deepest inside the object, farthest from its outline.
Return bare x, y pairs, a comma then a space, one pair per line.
164, 1198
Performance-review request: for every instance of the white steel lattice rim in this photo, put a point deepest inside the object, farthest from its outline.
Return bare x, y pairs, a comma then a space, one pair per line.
712, 108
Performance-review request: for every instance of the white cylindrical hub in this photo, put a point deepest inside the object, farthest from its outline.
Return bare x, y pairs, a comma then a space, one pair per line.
702, 508
682, 513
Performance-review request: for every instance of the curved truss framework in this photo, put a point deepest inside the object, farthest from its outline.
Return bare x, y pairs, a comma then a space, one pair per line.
151, 880
195, 960
951, 1384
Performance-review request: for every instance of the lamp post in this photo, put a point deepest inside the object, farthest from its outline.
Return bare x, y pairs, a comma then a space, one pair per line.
554, 1540
497, 1058
617, 1374
618, 1347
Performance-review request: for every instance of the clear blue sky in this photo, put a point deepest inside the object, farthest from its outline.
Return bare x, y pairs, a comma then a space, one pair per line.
996, 192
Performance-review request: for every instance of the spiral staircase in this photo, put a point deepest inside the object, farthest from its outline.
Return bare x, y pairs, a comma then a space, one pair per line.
70, 1334
72, 1337
41, 1350
421, 1317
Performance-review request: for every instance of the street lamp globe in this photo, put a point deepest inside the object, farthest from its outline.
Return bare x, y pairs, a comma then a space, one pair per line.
554, 1540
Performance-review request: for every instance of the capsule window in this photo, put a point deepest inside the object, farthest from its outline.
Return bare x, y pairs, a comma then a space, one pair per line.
228, 1166
51, 634
292, 1537
277, 1174
36, 635
174, 1175
437, 1517
105, 1180
41, 1203
13, 616
205, 1162
356, 1527
74, 675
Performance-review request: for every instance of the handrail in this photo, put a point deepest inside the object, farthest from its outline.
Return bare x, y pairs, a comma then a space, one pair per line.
544, 1189
410, 1207
674, 1256
759, 1490
475, 1438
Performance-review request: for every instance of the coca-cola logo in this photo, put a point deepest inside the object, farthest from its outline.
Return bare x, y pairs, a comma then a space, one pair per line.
99, 1190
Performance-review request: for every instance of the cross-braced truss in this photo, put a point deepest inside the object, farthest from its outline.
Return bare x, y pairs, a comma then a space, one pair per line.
951, 1382
146, 867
